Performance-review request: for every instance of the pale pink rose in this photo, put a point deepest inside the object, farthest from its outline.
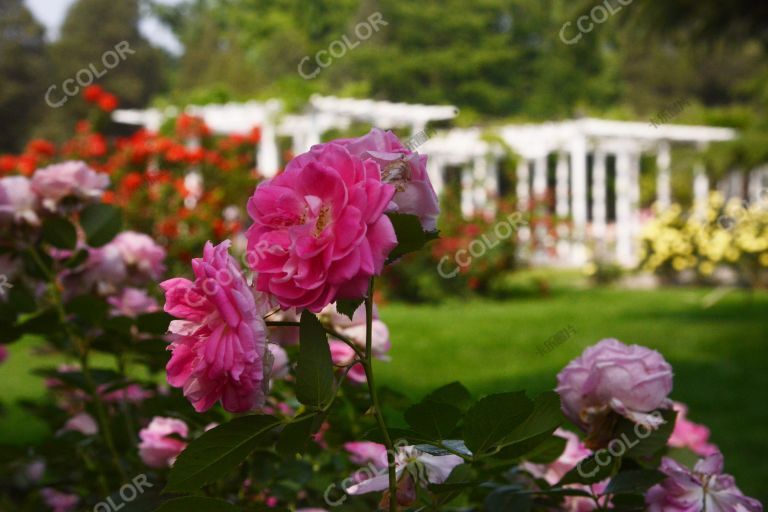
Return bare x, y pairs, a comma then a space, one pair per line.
132, 302
704, 488
688, 434
32, 473
404, 169
83, 423
354, 329
632, 381
18, 204
156, 449
574, 452
219, 346
59, 501
365, 452
140, 254
319, 231
132, 393
280, 363
68, 179
412, 467
343, 355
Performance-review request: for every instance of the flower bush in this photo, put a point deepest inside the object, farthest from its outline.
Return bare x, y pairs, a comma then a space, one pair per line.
289, 345
729, 234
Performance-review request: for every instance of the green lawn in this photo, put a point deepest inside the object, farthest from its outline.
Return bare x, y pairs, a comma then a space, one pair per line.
720, 354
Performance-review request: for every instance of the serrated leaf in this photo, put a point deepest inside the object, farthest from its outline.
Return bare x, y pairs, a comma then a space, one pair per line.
433, 419
101, 223
59, 232
410, 235
314, 371
196, 503
348, 307
294, 437
545, 418
454, 394
492, 418
218, 451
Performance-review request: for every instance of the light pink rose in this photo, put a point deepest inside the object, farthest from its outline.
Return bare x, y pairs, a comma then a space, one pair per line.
632, 381
219, 347
319, 230
140, 254
83, 423
402, 168
688, 434
59, 501
280, 362
18, 204
132, 302
354, 329
365, 452
73, 178
704, 488
156, 449
132, 393
343, 355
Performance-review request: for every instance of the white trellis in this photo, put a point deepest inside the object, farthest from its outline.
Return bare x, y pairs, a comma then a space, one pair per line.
579, 191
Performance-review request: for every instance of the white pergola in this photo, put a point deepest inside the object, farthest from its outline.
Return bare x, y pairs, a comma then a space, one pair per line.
476, 152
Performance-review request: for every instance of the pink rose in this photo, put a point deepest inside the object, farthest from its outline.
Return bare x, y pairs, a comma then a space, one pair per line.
402, 168
354, 329
319, 230
132, 393
688, 434
83, 423
68, 179
704, 488
133, 302
632, 381
343, 355
59, 501
364, 452
140, 254
219, 347
18, 204
156, 449
280, 363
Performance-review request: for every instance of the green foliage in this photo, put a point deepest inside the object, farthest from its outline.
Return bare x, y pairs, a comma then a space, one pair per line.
314, 373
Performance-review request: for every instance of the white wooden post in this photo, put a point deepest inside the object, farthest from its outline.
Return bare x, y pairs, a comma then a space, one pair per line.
561, 186
623, 209
663, 178
523, 189
467, 201
540, 178
599, 194
479, 175
578, 152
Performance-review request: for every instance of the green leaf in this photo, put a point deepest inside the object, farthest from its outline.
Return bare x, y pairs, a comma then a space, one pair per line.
593, 469
410, 236
196, 503
101, 223
77, 259
545, 418
454, 394
59, 232
639, 442
542, 449
507, 498
492, 418
294, 437
218, 451
634, 481
348, 307
154, 323
88, 308
314, 371
433, 419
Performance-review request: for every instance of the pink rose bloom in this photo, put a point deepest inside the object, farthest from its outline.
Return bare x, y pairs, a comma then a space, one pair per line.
59, 501
132, 393
73, 178
704, 488
688, 434
280, 363
219, 347
156, 449
33, 472
365, 452
133, 302
319, 230
140, 253
354, 329
632, 381
18, 204
343, 355
402, 168
83, 423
